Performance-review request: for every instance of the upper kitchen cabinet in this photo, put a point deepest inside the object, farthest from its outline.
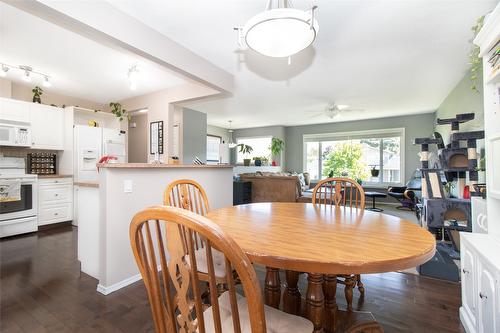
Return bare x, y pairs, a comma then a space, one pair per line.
12, 110
47, 127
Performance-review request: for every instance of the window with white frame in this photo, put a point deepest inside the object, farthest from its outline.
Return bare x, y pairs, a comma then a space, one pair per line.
375, 157
260, 146
213, 144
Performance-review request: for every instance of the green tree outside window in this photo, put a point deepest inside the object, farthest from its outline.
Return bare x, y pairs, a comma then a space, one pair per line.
345, 161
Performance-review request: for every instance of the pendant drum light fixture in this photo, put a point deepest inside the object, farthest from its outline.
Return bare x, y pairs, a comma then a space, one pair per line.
231, 142
279, 31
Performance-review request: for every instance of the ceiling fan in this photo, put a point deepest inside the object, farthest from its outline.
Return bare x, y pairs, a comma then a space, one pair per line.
333, 110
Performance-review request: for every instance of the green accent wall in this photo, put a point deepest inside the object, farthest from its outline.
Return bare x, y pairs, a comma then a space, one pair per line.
420, 125
462, 99
194, 135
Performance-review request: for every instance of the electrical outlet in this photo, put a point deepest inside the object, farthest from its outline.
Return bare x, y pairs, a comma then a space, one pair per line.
127, 186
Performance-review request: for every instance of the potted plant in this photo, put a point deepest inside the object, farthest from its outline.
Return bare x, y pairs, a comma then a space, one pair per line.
257, 161
245, 150
276, 148
119, 111
374, 171
448, 189
37, 93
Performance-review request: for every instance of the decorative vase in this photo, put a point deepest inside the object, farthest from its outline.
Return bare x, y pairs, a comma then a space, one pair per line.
274, 163
246, 162
37, 99
258, 162
375, 172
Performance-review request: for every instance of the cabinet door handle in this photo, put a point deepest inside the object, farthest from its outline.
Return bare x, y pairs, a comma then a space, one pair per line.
56, 194
482, 296
465, 271
56, 214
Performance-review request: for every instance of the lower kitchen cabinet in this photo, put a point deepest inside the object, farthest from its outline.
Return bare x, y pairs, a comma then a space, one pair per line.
55, 200
480, 311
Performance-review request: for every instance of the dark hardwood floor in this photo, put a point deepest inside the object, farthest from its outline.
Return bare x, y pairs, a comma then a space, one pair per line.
42, 290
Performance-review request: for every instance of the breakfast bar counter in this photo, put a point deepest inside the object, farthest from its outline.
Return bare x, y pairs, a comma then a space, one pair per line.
126, 188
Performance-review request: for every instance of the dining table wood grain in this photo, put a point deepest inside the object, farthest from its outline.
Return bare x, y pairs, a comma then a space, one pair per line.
323, 241
329, 240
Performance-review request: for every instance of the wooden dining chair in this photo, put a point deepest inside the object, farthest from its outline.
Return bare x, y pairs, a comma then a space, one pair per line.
341, 191
186, 194
158, 237
190, 195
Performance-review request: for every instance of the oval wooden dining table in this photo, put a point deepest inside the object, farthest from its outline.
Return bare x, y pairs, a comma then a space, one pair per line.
323, 241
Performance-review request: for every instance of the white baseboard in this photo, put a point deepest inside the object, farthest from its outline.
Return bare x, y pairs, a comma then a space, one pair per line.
114, 287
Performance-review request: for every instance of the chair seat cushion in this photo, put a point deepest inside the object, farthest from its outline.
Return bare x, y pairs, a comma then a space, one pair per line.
202, 265
276, 320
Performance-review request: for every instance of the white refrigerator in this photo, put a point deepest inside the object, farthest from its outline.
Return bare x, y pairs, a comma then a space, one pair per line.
90, 144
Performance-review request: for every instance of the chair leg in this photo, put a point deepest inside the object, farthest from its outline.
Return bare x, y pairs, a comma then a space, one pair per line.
349, 283
361, 286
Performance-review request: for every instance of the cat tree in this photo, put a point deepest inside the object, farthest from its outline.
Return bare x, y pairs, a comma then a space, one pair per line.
443, 213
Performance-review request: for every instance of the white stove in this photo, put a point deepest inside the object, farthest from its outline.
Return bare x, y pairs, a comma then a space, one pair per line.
18, 217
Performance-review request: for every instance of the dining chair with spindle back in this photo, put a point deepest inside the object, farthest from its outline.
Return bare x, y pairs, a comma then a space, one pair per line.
342, 191
190, 195
186, 194
158, 237
339, 191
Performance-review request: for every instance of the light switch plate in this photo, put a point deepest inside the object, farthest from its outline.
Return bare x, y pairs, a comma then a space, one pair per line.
127, 186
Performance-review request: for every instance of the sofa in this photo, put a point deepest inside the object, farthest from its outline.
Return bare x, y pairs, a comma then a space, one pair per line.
276, 186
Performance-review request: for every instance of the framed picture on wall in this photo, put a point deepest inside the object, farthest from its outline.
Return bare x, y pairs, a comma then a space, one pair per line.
156, 137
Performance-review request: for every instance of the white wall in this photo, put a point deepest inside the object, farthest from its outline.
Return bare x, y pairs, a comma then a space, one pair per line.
117, 264
161, 107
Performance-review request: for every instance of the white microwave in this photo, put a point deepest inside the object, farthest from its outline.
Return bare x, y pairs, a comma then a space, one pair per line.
15, 135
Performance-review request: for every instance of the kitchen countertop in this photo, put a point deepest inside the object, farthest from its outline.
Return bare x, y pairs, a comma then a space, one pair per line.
54, 176
166, 166
94, 184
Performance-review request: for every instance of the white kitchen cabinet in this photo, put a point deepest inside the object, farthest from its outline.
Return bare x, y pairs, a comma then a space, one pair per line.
469, 298
487, 285
55, 200
480, 312
47, 127
14, 110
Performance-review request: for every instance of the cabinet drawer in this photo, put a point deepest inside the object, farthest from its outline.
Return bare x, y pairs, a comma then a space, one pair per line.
54, 194
55, 214
55, 181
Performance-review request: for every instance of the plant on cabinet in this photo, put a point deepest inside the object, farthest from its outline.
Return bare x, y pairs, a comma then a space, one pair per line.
245, 150
119, 111
276, 147
37, 93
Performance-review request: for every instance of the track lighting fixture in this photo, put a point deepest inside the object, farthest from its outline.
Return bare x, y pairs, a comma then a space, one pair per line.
27, 73
3, 72
46, 82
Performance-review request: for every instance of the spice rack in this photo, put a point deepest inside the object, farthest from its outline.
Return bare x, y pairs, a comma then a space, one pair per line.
42, 163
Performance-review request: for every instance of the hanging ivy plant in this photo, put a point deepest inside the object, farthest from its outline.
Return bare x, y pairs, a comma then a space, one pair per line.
118, 111
476, 64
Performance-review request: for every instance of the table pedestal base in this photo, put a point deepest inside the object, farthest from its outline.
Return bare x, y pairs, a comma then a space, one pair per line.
320, 303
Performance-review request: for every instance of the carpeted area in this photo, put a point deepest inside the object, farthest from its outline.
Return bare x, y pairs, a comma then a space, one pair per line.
391, 209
